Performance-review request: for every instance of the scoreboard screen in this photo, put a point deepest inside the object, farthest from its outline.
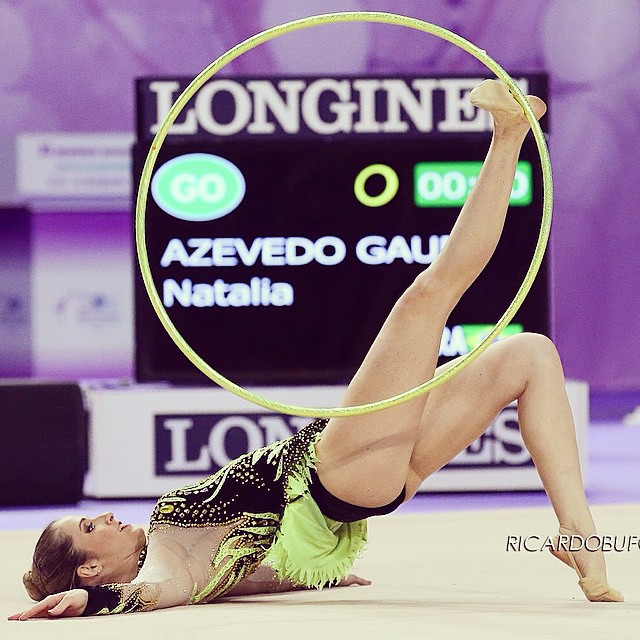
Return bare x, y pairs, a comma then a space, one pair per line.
278, 260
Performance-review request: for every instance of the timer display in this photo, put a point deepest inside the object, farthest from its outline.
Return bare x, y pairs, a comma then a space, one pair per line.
447, 184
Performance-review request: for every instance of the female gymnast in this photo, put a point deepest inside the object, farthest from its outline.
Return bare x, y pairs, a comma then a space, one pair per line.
293, 514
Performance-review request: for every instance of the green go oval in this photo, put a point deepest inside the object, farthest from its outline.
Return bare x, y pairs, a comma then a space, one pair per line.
198, 187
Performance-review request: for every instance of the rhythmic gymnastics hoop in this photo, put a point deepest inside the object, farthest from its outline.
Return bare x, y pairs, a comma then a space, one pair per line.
270, 34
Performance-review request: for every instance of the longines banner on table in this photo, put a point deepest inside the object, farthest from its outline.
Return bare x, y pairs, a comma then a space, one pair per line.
204, 443
175, 436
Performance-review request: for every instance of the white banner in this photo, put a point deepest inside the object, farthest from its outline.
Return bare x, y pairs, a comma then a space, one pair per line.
159, 438
87, 165
82, 296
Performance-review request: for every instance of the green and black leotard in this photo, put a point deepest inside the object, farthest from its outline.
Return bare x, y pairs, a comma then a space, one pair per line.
207, 537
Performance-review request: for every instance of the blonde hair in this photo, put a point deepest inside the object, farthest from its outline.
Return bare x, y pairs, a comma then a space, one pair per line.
55, 561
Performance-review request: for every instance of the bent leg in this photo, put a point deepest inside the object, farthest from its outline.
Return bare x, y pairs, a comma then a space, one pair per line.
525, 368
364, 459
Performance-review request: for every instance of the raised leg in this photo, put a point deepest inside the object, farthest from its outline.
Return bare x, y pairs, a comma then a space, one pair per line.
364, 459
525, 368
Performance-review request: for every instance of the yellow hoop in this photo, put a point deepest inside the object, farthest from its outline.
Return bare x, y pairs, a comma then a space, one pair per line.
270, 34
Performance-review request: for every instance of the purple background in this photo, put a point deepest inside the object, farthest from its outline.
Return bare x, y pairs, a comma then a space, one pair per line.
69, 65
15, 344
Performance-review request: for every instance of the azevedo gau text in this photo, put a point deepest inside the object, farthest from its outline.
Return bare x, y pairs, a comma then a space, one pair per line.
277, 251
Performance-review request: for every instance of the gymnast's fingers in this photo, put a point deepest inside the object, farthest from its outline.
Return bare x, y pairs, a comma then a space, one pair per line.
352, 579
66, 604
40, 609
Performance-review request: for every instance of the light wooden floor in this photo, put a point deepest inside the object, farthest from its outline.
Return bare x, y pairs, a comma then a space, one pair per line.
442, 575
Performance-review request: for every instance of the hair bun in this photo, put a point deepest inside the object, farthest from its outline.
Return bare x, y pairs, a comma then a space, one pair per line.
54, 565
30, 583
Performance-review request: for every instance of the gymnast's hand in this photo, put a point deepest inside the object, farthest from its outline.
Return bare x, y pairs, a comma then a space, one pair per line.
59, 605
351, 580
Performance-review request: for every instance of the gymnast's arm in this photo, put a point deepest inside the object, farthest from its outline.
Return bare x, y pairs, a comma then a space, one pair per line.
266, 580
106, 599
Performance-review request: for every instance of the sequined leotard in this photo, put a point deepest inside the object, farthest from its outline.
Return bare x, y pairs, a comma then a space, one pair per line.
205, 538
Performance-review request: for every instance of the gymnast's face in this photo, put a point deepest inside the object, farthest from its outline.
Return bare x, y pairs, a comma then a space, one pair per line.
112, 547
